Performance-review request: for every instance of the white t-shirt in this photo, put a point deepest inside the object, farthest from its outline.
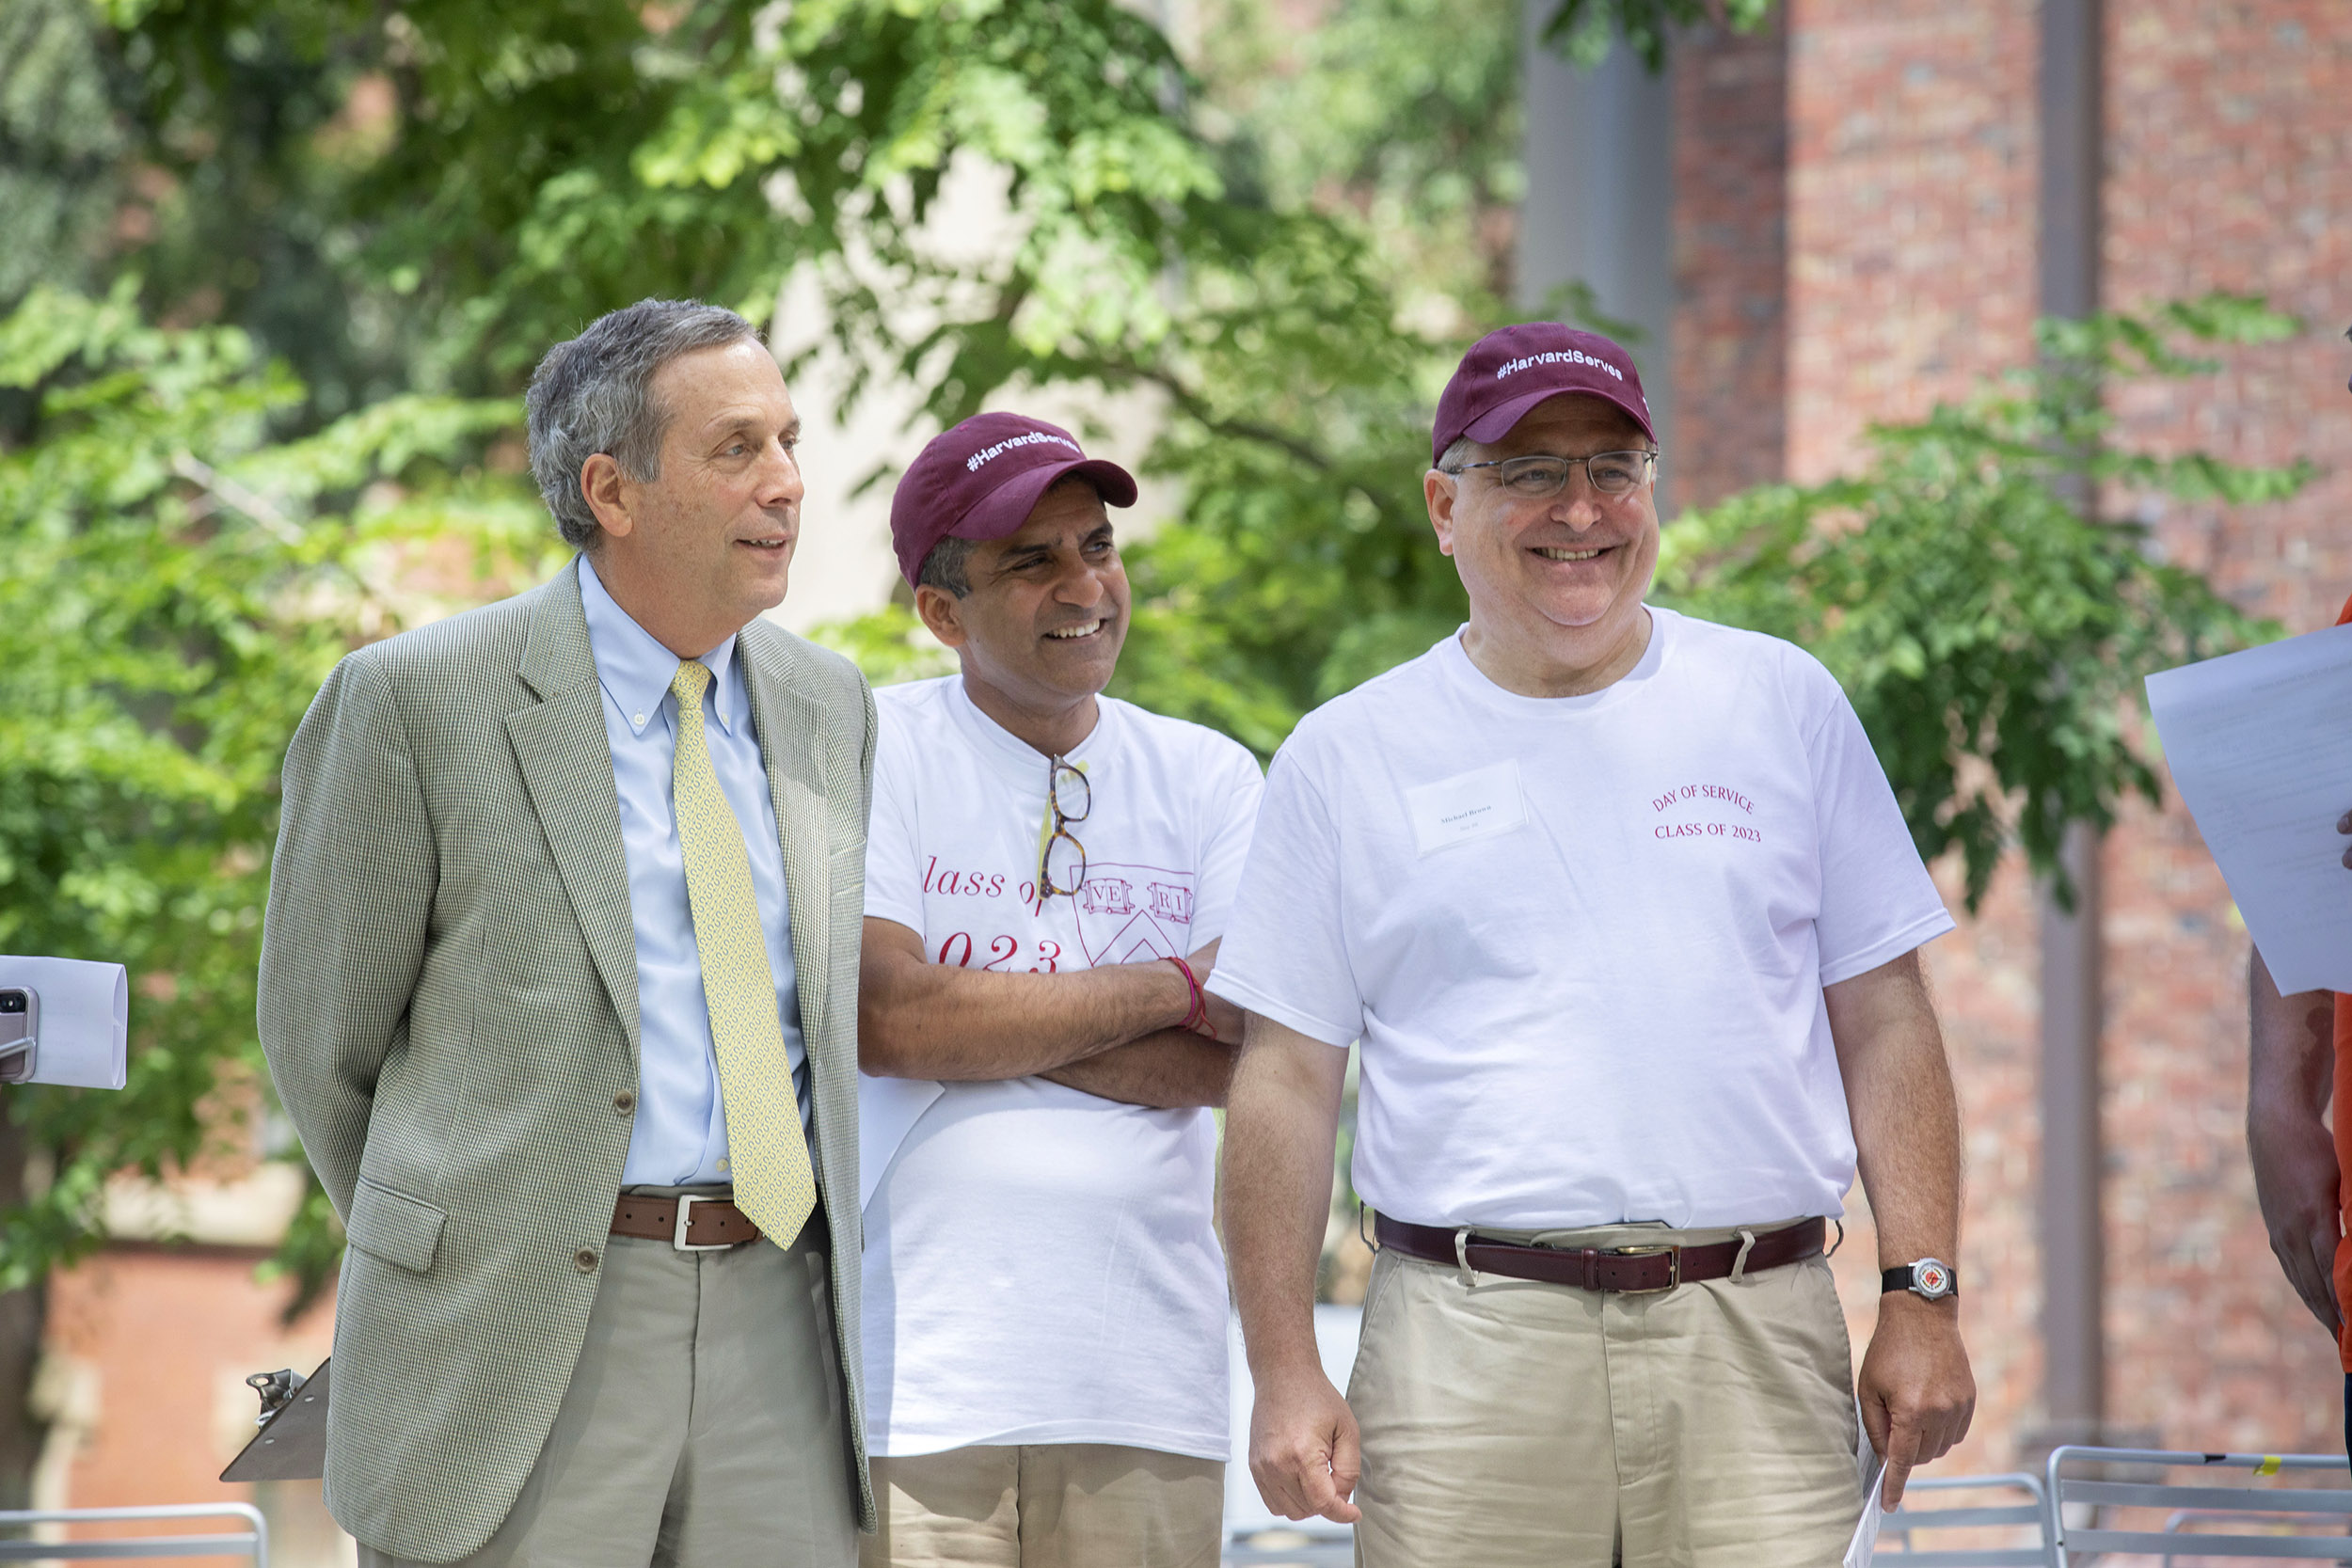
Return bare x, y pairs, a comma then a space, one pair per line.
1039, 1266
1583, 938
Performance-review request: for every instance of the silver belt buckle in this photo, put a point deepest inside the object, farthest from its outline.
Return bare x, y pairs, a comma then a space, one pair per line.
1673, 1267
677, 1238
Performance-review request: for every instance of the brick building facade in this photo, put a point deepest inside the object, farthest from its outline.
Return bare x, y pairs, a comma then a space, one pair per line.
1855, 239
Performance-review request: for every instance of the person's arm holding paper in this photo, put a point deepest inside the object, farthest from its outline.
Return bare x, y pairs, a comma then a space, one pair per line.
2290, 1069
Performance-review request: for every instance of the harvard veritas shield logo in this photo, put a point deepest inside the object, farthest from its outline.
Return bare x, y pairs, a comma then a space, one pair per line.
1129, 914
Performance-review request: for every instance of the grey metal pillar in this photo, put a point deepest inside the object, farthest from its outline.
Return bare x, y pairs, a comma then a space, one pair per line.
2073, 1377
1599, 204
2073, 973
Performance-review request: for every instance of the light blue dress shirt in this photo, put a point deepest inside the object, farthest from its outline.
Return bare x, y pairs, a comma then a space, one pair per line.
680, 1137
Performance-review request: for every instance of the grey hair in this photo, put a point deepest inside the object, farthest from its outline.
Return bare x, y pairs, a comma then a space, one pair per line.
947, 567
593, 395
1461, 452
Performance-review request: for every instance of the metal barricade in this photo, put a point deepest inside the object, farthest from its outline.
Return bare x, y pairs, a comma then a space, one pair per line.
2313, 1524
2024, 1515
251, 1542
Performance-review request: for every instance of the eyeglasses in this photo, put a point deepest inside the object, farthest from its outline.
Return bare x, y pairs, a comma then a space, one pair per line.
1062, 859
1611, 473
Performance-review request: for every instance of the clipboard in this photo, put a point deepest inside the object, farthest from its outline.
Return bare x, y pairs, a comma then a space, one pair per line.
292, 1443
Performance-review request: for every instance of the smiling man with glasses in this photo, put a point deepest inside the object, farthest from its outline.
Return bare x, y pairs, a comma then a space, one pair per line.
1048, 873
1625, 916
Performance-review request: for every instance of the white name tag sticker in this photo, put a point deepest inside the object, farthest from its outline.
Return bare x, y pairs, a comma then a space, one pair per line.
1465, 806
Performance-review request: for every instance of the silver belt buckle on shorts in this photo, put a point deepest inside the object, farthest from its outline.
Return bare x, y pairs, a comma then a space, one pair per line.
677, 1238
1673, 1267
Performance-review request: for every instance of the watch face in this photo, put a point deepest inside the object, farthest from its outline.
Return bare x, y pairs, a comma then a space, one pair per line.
1930, 1279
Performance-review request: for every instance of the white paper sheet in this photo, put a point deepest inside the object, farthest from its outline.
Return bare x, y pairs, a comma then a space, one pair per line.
2260, 745
1873, 1468
85, 1019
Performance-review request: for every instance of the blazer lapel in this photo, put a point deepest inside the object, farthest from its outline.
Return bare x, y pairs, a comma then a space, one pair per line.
794, 742
567, 766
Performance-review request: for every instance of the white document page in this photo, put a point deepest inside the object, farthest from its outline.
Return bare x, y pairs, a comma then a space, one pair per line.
1873, 1468
85, 1019
2260, 745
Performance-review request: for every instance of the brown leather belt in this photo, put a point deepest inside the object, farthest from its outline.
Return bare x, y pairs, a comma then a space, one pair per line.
689, 1224
1632, 1270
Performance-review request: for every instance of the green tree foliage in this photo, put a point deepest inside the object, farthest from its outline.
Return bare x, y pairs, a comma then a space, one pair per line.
174, 585
59, 143
1992, 628
1404, 114
1585, 30
550, 163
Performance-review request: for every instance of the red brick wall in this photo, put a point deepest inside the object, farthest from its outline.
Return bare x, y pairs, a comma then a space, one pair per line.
1911, 185
1911, 211
2230, 153
1911, 281
1730, 260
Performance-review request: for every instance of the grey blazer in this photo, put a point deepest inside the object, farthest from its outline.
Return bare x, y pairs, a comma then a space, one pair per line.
449, 1004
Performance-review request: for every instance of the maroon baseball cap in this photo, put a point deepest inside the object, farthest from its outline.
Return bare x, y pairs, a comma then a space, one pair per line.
1513, 369
982, 480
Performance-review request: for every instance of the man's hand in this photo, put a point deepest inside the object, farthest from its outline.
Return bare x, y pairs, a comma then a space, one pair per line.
2291, 1070
1917, 1393
1304, 1451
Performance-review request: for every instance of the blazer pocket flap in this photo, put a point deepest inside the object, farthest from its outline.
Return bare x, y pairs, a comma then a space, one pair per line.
400, 1230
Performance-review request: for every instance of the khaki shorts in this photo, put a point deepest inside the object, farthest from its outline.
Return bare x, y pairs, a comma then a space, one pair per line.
1047, 1505
1508, 1422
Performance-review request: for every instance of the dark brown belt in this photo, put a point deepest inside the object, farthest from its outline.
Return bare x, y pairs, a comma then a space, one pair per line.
1634, 1269
689, 1223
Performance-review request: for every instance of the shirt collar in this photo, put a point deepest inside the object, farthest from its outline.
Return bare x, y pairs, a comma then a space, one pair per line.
1018, 763
635, 669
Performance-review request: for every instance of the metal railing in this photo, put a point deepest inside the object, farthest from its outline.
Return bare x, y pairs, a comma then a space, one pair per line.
2029, 1513
2293, 1514
251, 1542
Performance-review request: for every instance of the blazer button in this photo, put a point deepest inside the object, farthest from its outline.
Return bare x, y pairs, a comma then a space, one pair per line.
585, 1260
624, 1102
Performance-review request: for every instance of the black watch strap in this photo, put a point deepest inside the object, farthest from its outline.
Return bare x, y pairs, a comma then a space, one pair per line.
1930, 1277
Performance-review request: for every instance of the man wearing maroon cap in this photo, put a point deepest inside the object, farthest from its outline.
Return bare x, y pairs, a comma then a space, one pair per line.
1626, 918
1047, 875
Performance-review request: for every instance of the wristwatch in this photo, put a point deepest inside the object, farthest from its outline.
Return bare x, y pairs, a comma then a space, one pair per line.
1929, 1278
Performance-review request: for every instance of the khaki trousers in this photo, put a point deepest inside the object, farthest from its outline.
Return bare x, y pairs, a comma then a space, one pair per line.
705, 1426
1507, 1422
1047, 1505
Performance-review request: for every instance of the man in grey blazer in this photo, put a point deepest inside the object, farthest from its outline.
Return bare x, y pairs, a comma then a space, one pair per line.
559, 984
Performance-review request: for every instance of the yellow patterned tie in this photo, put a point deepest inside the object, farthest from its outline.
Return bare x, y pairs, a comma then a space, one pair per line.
766, 1145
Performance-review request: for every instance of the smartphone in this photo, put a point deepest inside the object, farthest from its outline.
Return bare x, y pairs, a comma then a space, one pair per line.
20, 1032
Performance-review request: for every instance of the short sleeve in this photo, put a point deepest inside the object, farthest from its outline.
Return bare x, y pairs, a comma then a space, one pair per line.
1878, 901
894, 880
1231, 820
1285, 952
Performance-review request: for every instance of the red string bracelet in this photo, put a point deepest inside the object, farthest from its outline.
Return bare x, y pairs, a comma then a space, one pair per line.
1197, 1012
